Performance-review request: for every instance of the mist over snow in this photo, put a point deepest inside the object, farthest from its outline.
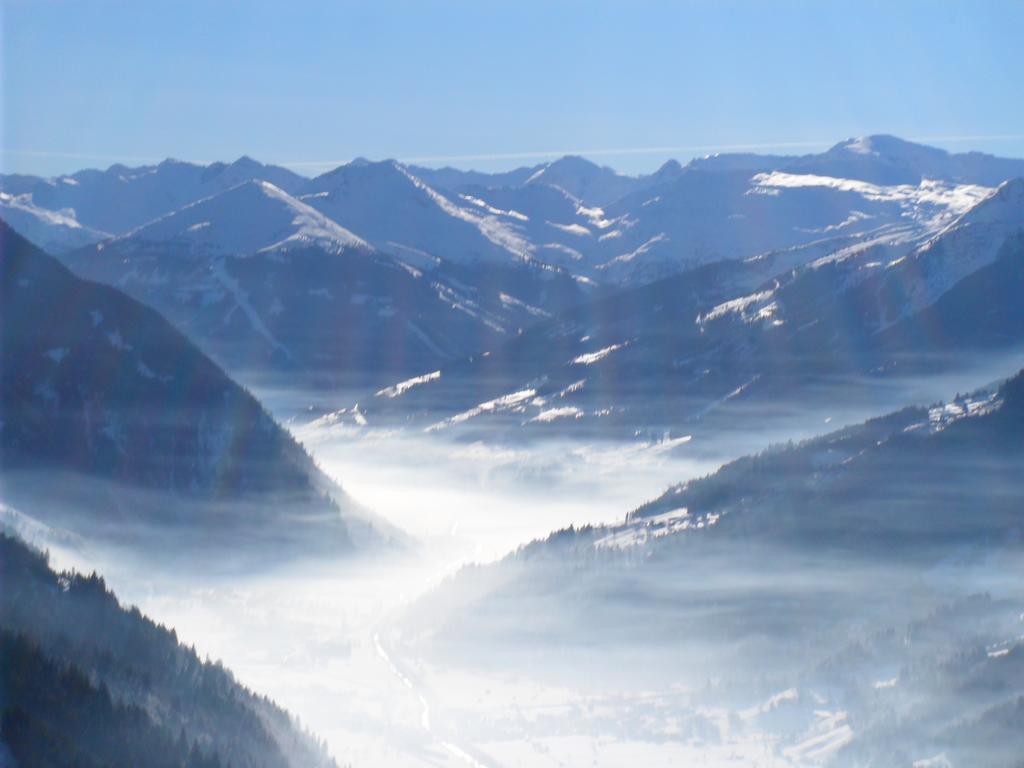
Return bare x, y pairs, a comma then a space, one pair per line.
717, 465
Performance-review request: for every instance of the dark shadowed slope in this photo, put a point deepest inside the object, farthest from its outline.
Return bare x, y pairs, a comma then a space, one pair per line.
87, 682
843, 571
100, 387
910, 486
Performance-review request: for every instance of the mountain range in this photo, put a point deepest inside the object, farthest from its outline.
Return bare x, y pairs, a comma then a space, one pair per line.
266, 282
378, 271
670, 354
560, 299
603, 216
450, 300
120, 198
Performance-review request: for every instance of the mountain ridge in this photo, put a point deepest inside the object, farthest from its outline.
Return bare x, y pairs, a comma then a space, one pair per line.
109, 391
710, 335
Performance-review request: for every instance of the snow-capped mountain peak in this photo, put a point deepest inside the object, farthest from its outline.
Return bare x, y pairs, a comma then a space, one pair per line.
884, 159
252, 216
859, 146
399, 212
588, 182
1006, 205
892, 147
121, 198
970, 243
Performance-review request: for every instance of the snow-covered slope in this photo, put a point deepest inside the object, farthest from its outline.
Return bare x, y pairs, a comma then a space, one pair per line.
879, 159
560, 229
887, 287
53, 231
675, 350
970, 243
572, 213
733, 206
253, 216
121, 198
710, 216
265, 282
399, 213
591, 184
629, 230
888, 160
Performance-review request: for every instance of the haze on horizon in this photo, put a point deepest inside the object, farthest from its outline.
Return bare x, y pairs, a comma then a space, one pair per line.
496, 87
357, 464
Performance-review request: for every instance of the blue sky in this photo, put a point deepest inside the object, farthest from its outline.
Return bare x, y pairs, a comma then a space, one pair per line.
88, 83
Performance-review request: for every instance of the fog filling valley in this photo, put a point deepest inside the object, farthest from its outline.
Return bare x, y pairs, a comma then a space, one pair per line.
368, 655
401, 466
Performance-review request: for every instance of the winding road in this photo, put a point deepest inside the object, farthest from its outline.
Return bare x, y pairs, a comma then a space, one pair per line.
456, 751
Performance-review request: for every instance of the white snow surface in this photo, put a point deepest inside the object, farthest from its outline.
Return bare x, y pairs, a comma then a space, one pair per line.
928, 201
397, 211
498, 404
971, 242
564, 412
404, 386
927, 266
53, 231
253, 216
593, 357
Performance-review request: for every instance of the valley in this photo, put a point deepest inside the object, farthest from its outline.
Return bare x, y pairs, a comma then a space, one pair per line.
716, 465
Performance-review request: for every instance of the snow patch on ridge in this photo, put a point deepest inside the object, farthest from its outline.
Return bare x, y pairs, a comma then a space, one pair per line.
404, 386
931, 201
489, 226
971, 242
497, 404
592, 357
564, 412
